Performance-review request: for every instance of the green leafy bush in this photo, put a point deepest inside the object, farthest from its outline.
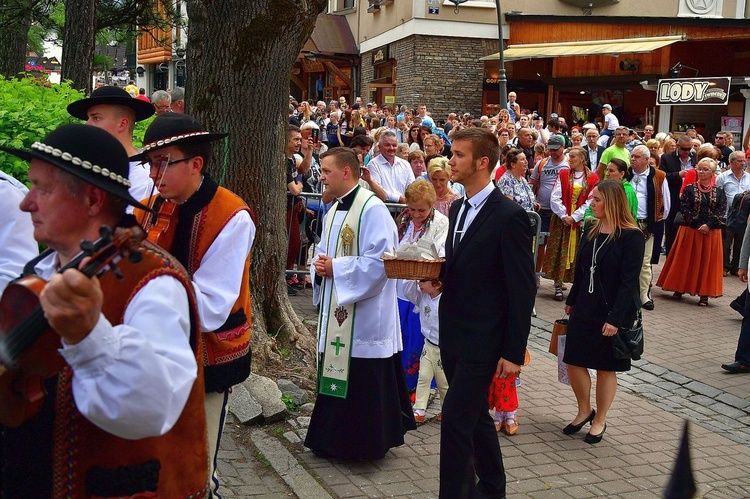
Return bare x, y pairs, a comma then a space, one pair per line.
30, 108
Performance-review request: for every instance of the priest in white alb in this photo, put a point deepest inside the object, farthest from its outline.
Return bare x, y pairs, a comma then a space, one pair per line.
363, 407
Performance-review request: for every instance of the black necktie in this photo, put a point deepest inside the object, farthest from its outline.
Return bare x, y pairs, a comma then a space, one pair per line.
459, 232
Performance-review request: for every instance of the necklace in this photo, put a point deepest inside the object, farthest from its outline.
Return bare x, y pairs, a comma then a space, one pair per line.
704, 189
592, 269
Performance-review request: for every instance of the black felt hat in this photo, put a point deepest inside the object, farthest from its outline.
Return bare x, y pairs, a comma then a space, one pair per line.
87, 152
111, 95
170, 129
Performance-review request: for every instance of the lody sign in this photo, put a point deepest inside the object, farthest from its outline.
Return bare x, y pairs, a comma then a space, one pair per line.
693, 91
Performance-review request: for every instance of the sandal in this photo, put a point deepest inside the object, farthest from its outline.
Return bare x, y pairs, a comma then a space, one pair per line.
703, 302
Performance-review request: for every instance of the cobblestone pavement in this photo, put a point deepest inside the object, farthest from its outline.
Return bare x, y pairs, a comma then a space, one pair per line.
678, 378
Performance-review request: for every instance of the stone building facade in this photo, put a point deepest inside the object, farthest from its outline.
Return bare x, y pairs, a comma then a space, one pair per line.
444, 73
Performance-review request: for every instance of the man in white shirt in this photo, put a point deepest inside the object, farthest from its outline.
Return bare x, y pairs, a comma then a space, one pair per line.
129, 388
610, 121
734, 181
652, 191
392, 173
362, 409
426, 120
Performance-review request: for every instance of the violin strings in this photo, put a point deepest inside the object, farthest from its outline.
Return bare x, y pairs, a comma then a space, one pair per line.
18, 339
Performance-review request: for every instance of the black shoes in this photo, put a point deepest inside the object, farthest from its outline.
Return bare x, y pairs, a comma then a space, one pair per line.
737, 307
595, 439
735, 368
575, 428
649, 305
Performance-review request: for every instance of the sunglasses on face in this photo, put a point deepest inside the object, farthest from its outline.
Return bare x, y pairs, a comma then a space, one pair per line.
686, 149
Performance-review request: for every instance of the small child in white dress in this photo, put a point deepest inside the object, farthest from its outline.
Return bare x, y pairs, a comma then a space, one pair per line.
425, 295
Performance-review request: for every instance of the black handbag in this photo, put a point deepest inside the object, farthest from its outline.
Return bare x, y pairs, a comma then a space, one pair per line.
628, 342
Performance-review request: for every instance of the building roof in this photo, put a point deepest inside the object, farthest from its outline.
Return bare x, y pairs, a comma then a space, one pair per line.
332, 35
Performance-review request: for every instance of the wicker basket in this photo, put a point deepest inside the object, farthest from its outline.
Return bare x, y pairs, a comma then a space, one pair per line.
410, 268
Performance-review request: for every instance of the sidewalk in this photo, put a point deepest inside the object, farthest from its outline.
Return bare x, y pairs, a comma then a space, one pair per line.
678, 378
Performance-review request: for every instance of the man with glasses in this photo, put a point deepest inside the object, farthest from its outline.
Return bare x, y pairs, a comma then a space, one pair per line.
162, 102
720, 141
648, 133
113, 110
593, 150
213, 235
653, 206
616, 150
676, 165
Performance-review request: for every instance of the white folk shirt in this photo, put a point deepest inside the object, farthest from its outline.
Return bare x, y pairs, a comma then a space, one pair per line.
556, 202
426, 307
17, 244
639, 183
133, 380
393, 178
732, 185
361, 279
218, 279
141, 185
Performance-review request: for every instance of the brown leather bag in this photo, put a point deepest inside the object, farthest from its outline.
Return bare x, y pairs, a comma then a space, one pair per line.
559, 329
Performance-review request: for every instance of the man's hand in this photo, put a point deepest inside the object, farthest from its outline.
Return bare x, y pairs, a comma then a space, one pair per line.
683, 173
742, 274
324, 266
402, 200
506, 369
72, 304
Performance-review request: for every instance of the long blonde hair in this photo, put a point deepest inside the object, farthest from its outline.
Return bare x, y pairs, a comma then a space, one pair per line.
616, 208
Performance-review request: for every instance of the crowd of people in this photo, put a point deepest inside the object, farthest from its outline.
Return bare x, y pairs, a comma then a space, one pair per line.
141, 407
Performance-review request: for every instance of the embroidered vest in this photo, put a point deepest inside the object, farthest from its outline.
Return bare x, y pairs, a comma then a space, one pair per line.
226, 351
89, 462
655, 203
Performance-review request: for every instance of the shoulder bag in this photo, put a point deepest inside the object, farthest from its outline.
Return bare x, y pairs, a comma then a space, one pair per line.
628, 341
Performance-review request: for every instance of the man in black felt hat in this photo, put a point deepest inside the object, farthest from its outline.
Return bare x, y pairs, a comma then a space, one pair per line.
213, 238
114, 110
122, 413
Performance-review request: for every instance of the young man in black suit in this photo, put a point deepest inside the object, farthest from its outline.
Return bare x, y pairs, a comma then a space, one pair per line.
485, 315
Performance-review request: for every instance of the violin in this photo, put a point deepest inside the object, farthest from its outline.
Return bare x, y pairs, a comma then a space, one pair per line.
28, 345
163, 230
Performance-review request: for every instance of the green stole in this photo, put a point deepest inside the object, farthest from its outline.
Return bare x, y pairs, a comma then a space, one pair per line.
333, 376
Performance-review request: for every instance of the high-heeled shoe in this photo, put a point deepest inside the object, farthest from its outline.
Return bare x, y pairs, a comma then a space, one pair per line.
595, 439
575, 428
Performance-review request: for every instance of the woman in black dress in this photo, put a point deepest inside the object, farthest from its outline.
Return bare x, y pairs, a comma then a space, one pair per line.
603, 298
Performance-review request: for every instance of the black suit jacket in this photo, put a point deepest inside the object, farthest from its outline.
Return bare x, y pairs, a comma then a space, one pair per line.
599, 152
670, 164
489, 284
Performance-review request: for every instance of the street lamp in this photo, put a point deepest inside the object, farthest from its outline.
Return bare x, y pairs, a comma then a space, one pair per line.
501, 81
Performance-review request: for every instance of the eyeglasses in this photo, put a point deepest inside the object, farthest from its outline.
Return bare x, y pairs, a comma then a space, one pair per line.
686, 149
162, 163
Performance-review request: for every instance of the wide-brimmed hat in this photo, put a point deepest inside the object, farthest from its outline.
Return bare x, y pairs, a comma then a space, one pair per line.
170, 129
87, 152
114, 96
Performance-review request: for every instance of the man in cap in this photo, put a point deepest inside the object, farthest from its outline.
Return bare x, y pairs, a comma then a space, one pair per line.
610, 121
112, 109
122, 411
214, 233
545, 174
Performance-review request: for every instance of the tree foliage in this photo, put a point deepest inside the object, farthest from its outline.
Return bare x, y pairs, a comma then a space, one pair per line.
30, 108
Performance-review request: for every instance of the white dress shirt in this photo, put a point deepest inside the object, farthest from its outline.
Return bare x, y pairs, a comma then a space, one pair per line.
394, 177
133, 380
639, 183
17, 244
732, 185
475, 204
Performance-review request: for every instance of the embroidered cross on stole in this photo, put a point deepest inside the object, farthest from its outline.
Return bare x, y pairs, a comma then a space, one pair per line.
333, 373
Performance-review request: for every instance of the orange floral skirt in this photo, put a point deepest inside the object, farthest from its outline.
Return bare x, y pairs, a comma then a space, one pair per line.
695, 264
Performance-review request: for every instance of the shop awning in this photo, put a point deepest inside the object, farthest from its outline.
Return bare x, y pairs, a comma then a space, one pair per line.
589, 47
332, 35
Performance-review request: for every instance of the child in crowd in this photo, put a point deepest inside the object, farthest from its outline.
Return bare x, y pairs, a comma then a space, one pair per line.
425, 294
331, 129
503, 398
